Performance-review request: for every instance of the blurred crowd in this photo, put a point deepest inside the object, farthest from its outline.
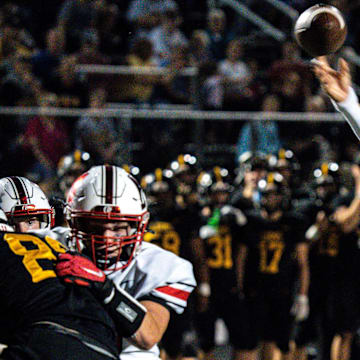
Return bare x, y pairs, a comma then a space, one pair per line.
239, 68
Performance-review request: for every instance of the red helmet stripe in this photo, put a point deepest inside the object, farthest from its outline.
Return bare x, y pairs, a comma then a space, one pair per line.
20, 189
109, 184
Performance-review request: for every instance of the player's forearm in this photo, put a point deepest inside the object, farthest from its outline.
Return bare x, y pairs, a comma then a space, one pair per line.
304, 280
350, 109
240, 266
304, 270
201, 267
349, 218
152, 327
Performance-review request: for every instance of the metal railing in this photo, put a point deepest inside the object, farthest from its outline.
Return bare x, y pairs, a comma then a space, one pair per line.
131, 70
251, 16
285, 9
168, 114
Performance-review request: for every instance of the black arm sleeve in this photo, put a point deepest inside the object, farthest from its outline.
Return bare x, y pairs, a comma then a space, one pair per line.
124, 309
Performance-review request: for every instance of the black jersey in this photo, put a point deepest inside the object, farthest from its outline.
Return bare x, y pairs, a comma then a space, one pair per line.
220, 251
337, 253
271, 264
31, 292
173, 230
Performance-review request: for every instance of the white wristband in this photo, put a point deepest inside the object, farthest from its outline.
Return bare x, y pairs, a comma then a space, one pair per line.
204, 289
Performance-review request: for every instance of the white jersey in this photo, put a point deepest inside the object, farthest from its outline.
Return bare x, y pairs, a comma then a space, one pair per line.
155, 274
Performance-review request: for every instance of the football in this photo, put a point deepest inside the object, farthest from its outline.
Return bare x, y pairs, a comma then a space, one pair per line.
320, 30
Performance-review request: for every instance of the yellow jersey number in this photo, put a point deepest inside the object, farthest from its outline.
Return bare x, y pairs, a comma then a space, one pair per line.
271, 249
165, 236
222, 249
43, 250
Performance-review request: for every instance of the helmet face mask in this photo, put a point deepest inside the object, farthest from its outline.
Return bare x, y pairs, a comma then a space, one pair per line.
108, 242
101, 204
325, 188
326, 181
25, 220
274, 193
272, 200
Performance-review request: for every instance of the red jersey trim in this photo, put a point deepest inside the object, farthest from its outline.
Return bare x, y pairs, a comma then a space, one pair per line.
180, 294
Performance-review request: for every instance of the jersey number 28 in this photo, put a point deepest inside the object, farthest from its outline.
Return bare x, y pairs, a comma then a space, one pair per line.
33, 249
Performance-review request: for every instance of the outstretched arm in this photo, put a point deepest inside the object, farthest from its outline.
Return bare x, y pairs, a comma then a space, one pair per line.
337, 85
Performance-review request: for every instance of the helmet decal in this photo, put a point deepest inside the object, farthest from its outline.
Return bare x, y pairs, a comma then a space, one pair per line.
108, 184
20, 189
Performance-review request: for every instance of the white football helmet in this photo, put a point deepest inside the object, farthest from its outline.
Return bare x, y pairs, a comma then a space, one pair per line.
107, 193
4, 225
20, 197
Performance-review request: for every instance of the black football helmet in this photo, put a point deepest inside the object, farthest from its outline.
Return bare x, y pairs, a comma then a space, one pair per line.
274, 191
326, 180
251, 161
215, 185
71, 166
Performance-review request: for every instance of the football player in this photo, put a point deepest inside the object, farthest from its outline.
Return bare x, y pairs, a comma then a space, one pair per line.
70, 167
25, 204
108, 217
186, 169
271, 241
40, 317
253, 166
174, 229
334, 289
219, 234
337, 85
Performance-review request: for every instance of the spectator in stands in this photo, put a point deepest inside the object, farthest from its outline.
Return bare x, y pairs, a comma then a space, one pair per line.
105, 139
237, 75
111, 41
290, 61
211, 97
89, 53
47, 60
263, 135
175, 88
167, 36
315, 144
139, 88
14, 38
75, 17
211, 86
47, 139
199, 48
293, 92
216, 30
144, 15
18, 86
71, 91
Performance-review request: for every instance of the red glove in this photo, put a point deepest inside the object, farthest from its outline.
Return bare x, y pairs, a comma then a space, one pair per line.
79, 269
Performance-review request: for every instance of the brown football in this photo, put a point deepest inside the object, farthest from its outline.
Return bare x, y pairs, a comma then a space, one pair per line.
320, 30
